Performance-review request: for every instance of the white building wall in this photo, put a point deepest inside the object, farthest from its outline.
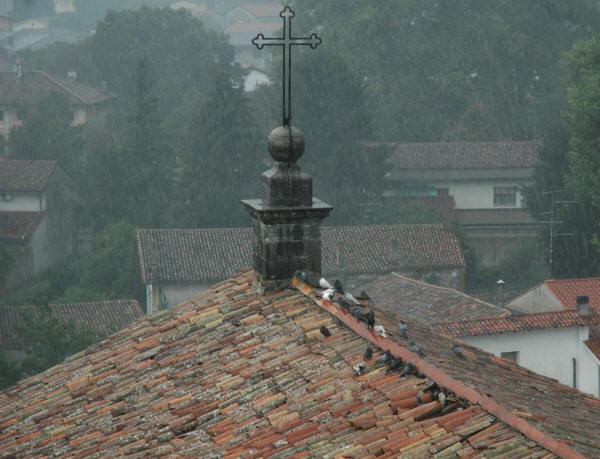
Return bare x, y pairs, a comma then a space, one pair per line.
549, 352
477, 195
538, 299
22, 202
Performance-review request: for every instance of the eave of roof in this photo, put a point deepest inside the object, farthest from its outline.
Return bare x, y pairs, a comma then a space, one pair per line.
515, 323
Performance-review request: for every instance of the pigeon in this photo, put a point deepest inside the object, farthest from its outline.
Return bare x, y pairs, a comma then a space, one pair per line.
380, 331
358, 368
395, 364
325, 331
350, 297
338, 286
402, 326
343, 303
416, 349
432, 388
458, 351
324, 284
420, 398
302, 275
328, 294
368, 353
371, 321
363, 296
407, 369
442, 398
386, 357
356, 312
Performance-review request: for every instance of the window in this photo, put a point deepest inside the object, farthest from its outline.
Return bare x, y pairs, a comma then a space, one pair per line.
443, 191
21, 115
512, 356
6, 196
505, 195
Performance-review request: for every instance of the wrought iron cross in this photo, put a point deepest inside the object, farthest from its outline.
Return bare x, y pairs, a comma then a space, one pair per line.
287, 41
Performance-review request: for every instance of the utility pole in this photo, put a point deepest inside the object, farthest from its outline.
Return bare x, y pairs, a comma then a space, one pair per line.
553, 222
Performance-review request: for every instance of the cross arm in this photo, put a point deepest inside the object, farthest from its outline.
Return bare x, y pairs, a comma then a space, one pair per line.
260, 41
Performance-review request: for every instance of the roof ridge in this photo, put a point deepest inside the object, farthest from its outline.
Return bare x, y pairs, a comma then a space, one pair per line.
440, 377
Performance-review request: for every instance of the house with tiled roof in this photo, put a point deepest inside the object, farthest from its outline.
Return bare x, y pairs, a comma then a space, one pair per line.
36, 202
557, 294
21, 91
485, 181
176, 264
101, 317
558, 344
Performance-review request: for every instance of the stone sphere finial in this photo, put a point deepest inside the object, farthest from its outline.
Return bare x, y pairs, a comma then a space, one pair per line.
286, 144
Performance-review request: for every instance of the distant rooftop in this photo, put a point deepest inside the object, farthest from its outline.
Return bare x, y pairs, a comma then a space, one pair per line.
99, 316
21, 175
204, 254
465, 155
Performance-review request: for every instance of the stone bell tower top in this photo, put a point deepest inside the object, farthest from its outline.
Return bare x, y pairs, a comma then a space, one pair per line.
286, 221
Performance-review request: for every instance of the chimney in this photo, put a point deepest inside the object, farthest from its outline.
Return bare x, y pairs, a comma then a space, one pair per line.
286, 221
500, 284
583, 305
19, 67
72, 75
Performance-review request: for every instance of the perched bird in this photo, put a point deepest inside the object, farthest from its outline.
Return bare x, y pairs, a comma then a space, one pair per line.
431, 388
420, 397
380, 331
350, 297
395, 364
407, 369
412, 347
363, 296
458, 351
328, 294
442, 398
402, 326
356, 312
338, 286
386, 357
358, 368
324, 284
325, 331
301, 274
371, 320
343, 303
368, 353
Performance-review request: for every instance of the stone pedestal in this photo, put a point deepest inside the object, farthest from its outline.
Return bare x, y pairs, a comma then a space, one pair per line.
286, 221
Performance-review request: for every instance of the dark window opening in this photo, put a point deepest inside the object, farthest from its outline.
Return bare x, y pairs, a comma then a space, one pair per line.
505, 195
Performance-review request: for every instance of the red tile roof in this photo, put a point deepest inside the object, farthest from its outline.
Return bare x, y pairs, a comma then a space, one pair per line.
19, 225
567, 290
426, 303
465, 155
515, 323
18, 175
231, 373
594, 346
100, 316
199, 254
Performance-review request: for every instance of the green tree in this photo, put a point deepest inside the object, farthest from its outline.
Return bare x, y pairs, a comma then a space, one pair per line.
462, 70
128, 172
219, 156
47, 133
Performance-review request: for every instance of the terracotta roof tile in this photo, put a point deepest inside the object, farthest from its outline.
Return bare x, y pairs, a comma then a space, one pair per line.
20, 175
300, 398
426, 303
19, 225
465, 155
567, 290
515, 323
99, 316
214, 254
